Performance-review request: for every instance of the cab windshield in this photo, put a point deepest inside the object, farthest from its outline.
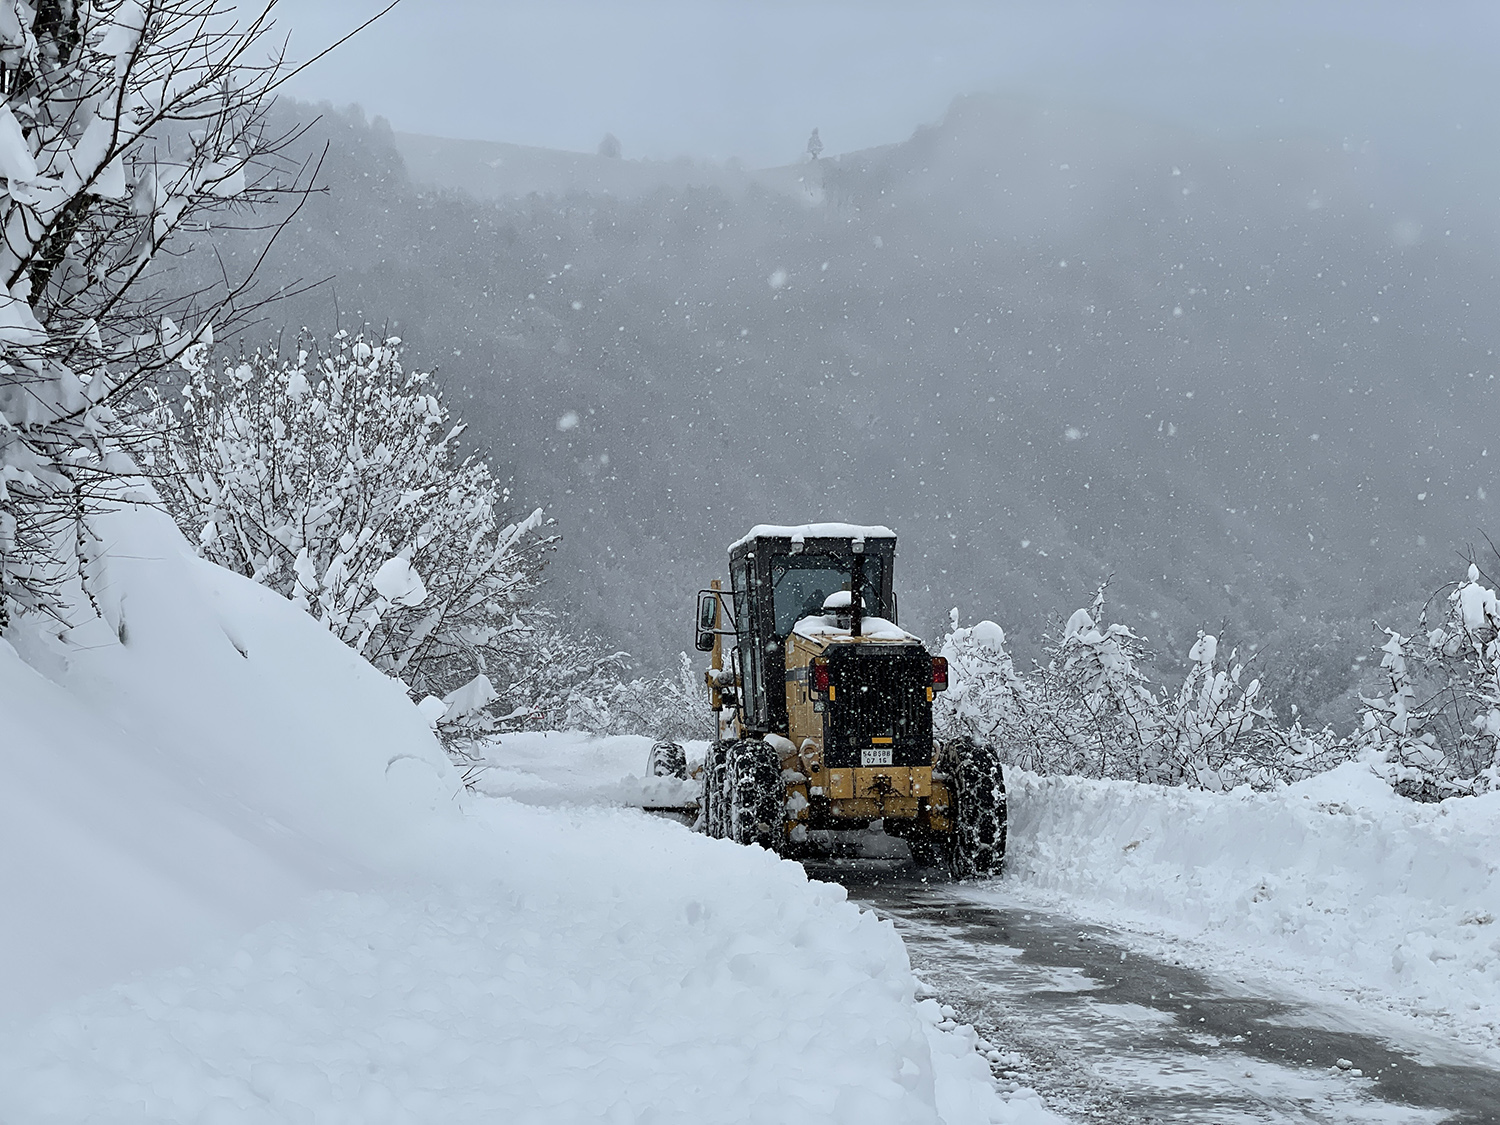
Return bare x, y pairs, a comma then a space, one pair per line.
801, 583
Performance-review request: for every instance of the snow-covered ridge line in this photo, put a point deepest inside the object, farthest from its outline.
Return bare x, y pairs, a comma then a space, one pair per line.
1336, 880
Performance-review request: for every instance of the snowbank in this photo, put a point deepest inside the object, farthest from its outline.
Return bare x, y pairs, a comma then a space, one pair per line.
573, 768
1336, 880
598, 965
204, 759
185, 765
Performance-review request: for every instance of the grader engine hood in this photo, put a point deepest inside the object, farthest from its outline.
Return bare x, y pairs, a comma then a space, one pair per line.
879, 698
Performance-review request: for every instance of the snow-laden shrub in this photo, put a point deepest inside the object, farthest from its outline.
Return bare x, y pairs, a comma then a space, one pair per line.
1467, 649
984, 699
1392, 729
1436, 732
1432, 731
590, 691
1086, 710
333, 479
1207, 726
1107, 709
1089, 710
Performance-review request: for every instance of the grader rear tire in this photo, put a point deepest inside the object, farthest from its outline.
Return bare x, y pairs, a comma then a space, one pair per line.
976, 844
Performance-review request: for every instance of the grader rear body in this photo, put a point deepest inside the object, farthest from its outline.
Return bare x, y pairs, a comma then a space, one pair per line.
824, 703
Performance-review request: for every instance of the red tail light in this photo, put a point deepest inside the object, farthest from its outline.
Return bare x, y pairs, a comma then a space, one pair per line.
939, 673
817, 675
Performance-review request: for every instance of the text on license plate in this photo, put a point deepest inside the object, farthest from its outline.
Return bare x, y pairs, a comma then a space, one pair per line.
875, 756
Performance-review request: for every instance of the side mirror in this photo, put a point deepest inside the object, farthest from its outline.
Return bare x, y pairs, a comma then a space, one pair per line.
708, 613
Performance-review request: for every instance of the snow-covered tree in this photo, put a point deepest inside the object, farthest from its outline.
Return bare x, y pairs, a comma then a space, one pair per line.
665, 707
1110, 712
985, 696
1459, 676
1089, 710
122, 124
582, 685
1393, 732
333, 479
1207, 726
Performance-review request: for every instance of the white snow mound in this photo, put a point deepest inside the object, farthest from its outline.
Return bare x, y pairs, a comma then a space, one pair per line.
604, 967
185, 765
1336, 879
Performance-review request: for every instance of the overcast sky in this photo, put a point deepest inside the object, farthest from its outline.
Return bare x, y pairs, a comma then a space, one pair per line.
713, 79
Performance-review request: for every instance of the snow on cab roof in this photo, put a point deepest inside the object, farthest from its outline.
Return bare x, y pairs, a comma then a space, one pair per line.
871, 628
813, 531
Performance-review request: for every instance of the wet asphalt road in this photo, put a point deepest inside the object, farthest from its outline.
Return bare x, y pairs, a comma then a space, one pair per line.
1108, 1034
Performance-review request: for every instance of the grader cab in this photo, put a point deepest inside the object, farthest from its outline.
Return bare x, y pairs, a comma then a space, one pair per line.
824, 706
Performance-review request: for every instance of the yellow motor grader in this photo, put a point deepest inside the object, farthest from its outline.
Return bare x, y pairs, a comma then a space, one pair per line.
824, 706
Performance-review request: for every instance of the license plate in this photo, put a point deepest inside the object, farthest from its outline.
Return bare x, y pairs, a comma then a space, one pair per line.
875, 756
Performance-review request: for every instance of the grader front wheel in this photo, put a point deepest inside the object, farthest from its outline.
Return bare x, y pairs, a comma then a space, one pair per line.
715, 799
667, 759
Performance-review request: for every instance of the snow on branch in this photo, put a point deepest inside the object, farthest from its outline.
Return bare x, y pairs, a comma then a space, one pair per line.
122, 125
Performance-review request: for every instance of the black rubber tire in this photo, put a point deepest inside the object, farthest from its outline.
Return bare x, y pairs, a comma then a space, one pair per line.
715, 798
756, 809
976, 843
667, 759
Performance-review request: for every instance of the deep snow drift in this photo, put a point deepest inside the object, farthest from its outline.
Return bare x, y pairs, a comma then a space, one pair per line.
609, 967
204, 759
187, 781
1334, 884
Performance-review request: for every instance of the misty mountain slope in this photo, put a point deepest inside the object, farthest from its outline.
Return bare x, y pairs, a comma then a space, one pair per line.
491, 170
1045, 345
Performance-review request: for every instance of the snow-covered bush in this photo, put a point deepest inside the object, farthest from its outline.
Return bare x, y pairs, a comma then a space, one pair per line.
984, 699
1433, 731
1109, 711
1208, 724
587, 689
1466, 647
121, 125
1436, 733
1392, 729
333, 479
1086, 710
1089, 710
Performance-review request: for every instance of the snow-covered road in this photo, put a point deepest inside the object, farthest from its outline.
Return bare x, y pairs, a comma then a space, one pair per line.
1108, 1032
1168, 955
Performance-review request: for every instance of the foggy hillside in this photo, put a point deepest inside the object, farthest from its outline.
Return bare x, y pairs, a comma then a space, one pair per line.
1045, 345
491, 170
